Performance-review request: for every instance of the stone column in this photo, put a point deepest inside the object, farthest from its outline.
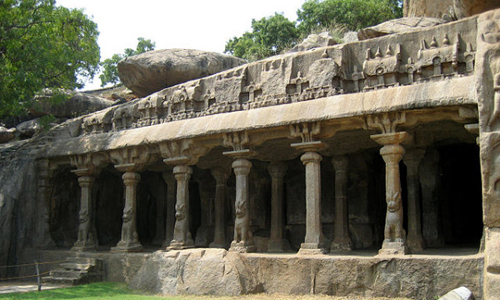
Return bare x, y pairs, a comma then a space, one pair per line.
277, 243
170, 214
86, 240
45, 186
341, 240
242, 241
129, 240
412, 160
182, 236
392, 153
220, 175
313, 243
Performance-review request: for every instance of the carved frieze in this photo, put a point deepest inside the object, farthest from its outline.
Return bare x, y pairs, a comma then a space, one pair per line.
132, 159
89, 164
381, 68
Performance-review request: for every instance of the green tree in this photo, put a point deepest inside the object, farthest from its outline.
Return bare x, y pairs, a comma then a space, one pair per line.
354, 14
110, 65
269, 36
43, 46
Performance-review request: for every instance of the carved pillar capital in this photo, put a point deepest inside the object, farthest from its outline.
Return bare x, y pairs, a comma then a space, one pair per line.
242, 166
277, 169
220, 174
412, 158
340, 163
310, 157
89, 164
183, 152
240, 143
386, 122
131, 159
86, 181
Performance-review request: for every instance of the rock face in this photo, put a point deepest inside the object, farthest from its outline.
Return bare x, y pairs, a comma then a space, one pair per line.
7, 135
398, 26
218, 272
179, 272
78, 105
457, 8
314, 41
153, 71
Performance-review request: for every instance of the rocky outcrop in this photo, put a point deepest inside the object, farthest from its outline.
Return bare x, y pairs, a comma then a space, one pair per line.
218, 272
314, 41
78, 104
398, 26
153, 71
6, 135
197, 272
454, 8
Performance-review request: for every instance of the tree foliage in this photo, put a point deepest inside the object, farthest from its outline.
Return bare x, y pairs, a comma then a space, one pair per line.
43, 46
355, 14
269, 36
110, 65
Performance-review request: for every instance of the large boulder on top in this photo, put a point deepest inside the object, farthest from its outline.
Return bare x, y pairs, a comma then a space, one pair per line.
456, 8
314, 41
153, 71
398, 26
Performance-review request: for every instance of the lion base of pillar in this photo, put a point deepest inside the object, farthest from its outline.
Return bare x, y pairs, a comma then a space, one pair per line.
242, 247
393, 248
126, 246
84, 246
181, 245
312, 249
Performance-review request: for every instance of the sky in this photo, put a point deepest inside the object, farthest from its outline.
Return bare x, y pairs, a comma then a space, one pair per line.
191, 24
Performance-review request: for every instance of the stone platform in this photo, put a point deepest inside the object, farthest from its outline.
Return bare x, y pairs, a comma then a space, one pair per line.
359, 273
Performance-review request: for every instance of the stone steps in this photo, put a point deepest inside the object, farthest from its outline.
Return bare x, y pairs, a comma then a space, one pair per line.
76, 271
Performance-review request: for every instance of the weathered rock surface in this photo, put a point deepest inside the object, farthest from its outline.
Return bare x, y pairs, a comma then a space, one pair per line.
314, 41
197, 272
398, 26
218, 272
78, 105
7, 135
29, 128
153, 71
457, 8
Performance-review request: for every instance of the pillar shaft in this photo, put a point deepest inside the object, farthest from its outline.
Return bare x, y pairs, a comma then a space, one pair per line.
341, 239
314, 236
412, 161
182, 236
242, 241
129, 240
392, 153
277, 170
86, 240
170, 209
220, 176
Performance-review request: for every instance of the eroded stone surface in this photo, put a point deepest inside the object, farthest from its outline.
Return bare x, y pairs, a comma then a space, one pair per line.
398, 26
153, 71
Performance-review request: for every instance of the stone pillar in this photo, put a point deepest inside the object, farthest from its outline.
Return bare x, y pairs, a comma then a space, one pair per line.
392, 153
277, 243
415, 239
182, 236
313, 243
129, 241
242, 241
170, 214
341, 239
220, 175
86, 240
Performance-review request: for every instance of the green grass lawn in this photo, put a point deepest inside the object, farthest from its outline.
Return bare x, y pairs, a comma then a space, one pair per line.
112, 290
101, 290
